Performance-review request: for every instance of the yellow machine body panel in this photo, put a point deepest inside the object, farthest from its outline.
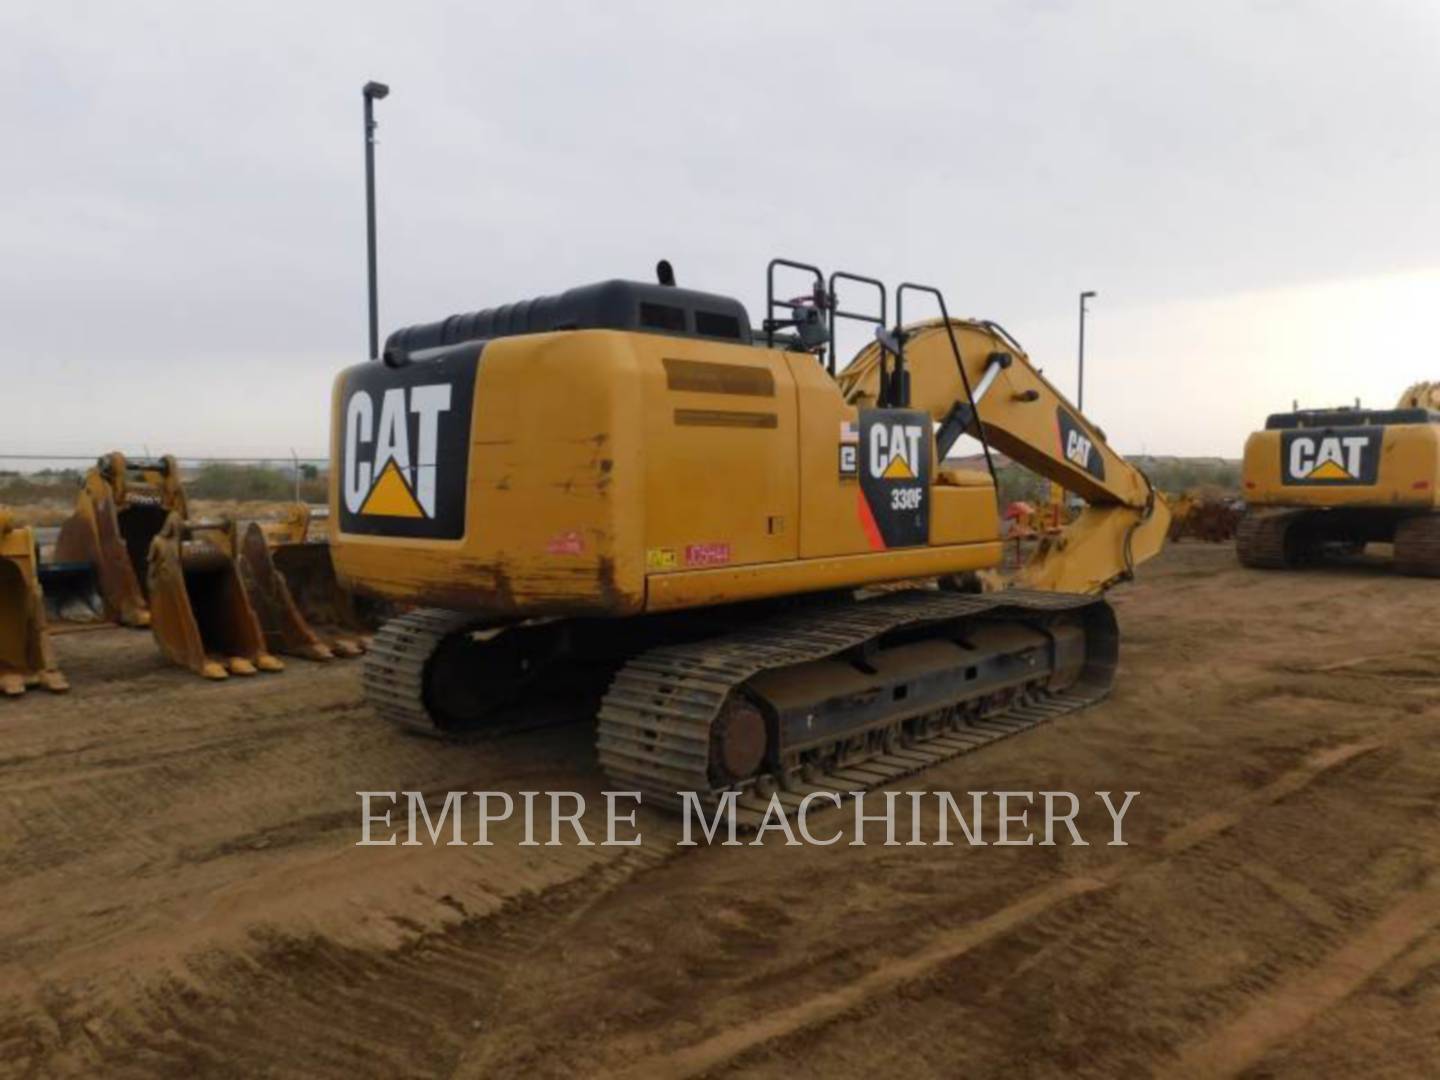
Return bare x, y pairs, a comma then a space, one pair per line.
613, 472
1361, 465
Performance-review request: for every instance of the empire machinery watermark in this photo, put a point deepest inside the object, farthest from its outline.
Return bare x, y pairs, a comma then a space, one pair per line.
820, 818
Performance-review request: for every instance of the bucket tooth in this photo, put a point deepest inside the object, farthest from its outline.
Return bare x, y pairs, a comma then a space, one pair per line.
54, 681
199, 608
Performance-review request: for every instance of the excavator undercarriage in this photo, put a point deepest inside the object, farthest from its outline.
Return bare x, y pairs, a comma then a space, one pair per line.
1292, 539
845, 698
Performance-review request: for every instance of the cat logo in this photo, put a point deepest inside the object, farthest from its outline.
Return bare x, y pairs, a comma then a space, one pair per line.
895, 451
1077, 445
402, 445
391, 480
1343, 457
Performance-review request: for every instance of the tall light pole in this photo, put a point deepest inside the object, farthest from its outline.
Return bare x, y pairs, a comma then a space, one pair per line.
1088, 294
373, 92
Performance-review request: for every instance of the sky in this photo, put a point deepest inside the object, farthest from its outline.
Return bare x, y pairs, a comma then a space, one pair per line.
1249, 187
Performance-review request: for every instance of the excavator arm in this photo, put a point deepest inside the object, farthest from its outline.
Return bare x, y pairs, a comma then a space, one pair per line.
974, 379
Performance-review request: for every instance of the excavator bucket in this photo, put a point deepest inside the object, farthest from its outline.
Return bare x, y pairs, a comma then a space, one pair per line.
200, 614
121, 508
1081, 557
26, 656
290, 578
285, 627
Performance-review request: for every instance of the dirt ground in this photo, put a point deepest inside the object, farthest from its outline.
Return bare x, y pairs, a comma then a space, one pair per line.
181, 892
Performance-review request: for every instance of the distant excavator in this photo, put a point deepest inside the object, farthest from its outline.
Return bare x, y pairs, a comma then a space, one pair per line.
1321, 483
767, 554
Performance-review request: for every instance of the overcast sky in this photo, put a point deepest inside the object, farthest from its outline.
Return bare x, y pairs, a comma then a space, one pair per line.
1250, 187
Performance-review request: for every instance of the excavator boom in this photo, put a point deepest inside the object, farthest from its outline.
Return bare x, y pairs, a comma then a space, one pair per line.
974, 379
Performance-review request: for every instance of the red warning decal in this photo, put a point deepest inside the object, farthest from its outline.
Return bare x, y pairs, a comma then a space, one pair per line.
569, 542
707, 554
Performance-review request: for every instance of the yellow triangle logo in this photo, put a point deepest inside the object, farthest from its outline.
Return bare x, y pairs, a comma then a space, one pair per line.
1328, 470
898, 469
391, 495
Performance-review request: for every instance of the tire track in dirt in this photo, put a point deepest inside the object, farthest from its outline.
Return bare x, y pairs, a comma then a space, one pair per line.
311, 1007
1300, 999
203, 912
720, 1050
213, 827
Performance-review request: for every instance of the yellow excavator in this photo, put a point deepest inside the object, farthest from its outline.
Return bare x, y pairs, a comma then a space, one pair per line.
1320, 483
765, 555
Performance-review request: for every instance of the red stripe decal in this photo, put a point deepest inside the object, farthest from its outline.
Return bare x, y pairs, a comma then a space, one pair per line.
867, 522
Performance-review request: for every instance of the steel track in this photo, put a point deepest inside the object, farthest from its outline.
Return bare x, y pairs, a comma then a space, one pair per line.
394, 667
655, 722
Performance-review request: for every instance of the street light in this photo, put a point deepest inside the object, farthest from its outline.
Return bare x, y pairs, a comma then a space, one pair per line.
1088, 294
373, 92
